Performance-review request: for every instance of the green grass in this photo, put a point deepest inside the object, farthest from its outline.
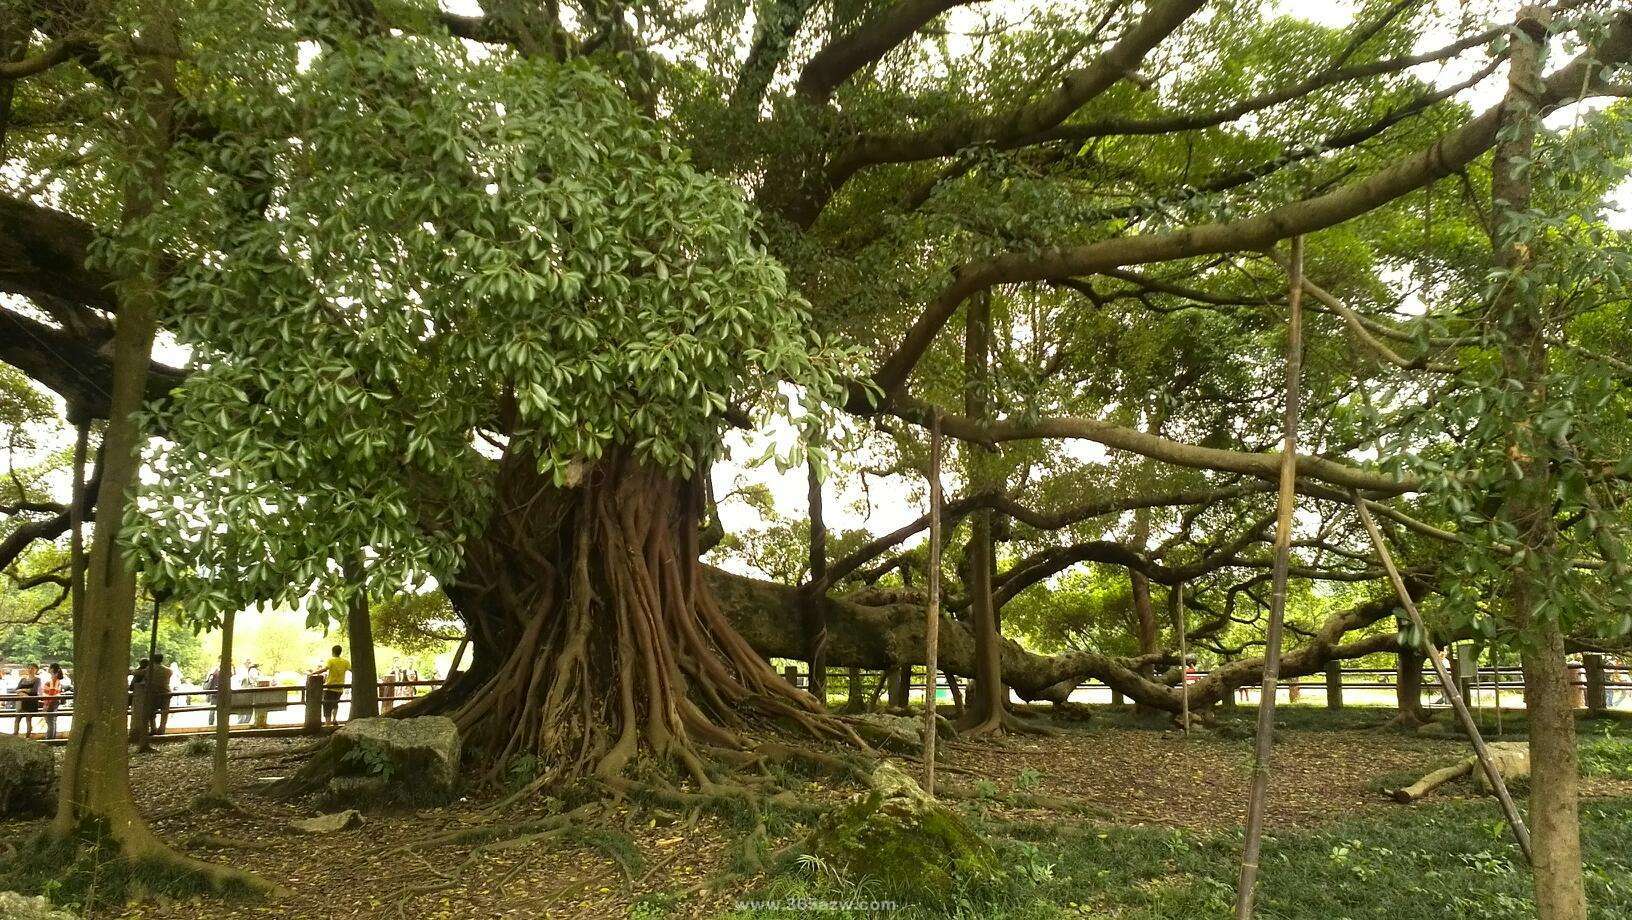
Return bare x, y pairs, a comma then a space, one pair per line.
1449, 860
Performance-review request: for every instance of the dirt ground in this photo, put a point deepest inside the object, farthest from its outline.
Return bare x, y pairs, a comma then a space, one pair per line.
1104, 773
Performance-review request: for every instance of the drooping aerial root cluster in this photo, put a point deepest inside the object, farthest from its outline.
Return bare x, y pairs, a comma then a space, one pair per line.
619, 649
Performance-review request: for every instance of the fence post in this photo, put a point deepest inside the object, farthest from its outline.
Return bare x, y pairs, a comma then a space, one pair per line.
1597, 688
1334, 685
314, 704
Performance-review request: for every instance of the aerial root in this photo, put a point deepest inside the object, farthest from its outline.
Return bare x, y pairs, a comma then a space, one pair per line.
217, 842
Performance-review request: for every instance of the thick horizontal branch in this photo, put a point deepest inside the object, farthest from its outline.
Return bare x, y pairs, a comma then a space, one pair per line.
58, 52
862, 46
954, 511
1260, 465
1446, 156
1194, 121
1076, 89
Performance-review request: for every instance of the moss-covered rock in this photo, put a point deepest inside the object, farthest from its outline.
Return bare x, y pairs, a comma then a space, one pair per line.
371, 762
28, 778
902, 839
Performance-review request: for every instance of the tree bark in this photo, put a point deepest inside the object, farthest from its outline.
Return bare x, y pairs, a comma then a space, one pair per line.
223, 707
1554, 786
365, 679
598, 640
815, 617
1408, 688
988, 696
94, 793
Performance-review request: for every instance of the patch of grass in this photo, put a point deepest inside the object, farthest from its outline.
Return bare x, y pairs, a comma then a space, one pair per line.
89, 875
1606, 753
1440, 860
199, 747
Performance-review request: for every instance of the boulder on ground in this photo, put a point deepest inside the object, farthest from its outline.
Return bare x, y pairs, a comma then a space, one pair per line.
28, 779
14, 906
900, 837
329, 824
904, 734
1512, 761
368, 761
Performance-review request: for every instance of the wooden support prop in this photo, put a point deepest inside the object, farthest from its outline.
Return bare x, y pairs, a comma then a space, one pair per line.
1334, 685
932, 613
313, 724
1597, 686
1447, 681
1246, 888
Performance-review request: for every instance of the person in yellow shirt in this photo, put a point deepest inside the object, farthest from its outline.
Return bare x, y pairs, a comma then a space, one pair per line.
334, 684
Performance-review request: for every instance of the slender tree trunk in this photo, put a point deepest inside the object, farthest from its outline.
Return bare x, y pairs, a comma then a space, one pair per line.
76, 526
1554, 777
856, 695
987, 697
815, 611
95, 784
223, 707
1408, 688
1144, 611
365, 683
94, 797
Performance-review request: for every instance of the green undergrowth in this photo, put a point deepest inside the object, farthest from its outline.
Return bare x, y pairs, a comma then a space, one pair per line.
1440, 860
89, 876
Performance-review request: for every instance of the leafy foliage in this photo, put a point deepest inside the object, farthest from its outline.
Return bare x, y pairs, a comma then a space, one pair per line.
374, 311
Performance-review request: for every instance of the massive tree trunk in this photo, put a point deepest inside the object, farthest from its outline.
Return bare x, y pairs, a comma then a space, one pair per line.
598, 640
1554, 785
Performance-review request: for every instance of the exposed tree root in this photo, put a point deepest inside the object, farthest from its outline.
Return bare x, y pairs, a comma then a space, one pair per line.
607, 652
216, 842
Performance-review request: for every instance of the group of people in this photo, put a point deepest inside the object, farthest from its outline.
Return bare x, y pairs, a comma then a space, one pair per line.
33, 693
246, 675
399, 683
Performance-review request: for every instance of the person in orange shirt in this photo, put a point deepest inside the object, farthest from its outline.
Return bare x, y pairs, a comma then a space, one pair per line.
51, 690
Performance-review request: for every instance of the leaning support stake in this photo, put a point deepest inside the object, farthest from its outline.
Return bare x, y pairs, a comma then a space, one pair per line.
932, 613
1246, 888
1447, 682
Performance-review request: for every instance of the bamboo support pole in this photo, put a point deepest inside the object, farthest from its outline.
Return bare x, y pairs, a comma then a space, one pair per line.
932, 613
1246, 888
1448, 682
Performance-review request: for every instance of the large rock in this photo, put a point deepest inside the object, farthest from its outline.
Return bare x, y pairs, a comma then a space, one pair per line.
329, 824
1512, 761
369, 761
14, 906
28, 779
903, 734
904, 840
